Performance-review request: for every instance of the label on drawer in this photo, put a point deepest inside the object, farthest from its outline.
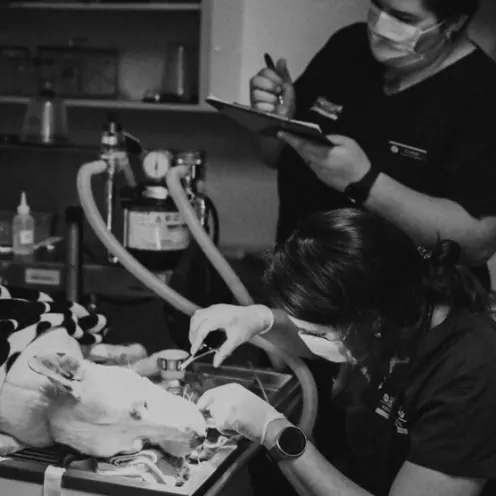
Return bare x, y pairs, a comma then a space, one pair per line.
46, 277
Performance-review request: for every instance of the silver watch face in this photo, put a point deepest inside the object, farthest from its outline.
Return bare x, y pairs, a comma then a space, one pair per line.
291, 442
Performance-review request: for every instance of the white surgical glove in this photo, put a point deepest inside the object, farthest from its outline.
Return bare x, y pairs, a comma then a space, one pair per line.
239, 323
234, 408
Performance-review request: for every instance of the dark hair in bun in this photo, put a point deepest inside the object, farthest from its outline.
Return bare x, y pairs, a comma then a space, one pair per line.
448, 281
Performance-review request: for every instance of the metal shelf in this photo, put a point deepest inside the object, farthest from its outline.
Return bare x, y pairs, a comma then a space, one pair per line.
176, 6
117, 104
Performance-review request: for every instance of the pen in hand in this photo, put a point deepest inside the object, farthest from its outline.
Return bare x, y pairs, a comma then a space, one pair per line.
270, 65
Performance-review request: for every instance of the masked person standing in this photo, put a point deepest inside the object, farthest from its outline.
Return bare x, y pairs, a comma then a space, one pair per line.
407, 101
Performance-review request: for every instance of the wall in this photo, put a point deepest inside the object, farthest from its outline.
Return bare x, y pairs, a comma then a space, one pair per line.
325, 16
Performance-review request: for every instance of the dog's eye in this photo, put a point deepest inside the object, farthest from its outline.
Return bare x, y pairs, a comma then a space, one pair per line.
145, 405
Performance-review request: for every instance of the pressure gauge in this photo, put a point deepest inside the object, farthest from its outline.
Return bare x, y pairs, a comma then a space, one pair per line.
157, 163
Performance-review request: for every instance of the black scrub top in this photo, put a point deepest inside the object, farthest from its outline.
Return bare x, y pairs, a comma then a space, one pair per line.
435, 137
446, 418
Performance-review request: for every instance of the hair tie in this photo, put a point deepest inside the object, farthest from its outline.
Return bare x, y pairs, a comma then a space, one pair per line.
445, 253
425, 253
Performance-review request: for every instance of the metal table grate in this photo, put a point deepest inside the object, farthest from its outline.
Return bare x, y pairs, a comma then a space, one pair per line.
49, 456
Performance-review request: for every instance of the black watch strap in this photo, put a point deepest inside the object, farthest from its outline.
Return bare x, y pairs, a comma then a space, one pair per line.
358, 192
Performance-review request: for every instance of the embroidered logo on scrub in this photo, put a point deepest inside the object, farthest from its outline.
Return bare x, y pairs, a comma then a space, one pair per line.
407, 151
385, 405
401, 422
326, 108
384, 410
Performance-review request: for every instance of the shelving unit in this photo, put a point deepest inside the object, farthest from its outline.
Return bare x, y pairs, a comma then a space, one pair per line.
175, 7
231, 37
175, 21
115, 104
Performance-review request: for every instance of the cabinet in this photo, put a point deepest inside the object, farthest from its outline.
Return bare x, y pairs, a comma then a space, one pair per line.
230, 37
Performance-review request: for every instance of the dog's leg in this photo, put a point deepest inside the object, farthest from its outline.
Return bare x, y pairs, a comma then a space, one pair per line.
9, 444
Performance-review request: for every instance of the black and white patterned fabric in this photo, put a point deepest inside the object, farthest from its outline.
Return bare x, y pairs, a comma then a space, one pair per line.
25, 314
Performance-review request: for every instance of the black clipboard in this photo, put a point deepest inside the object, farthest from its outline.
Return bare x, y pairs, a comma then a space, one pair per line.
267, 124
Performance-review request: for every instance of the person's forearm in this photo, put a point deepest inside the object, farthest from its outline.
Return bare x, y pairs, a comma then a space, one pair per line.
426, 218
267, 149
320, 478
315, 475
284, 334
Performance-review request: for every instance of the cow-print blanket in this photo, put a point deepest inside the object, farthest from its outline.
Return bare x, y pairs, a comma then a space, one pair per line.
25, 314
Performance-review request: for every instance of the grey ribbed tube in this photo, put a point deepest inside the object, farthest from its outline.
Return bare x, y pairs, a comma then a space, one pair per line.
300, 370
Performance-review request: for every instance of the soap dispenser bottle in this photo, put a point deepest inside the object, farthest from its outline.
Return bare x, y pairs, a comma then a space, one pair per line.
23, 229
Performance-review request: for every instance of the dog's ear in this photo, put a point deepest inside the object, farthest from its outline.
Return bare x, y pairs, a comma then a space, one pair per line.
65, 371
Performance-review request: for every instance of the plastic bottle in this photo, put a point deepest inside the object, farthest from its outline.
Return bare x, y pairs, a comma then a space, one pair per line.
23, 229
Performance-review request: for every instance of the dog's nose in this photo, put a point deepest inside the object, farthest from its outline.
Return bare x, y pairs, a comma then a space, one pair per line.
197, 441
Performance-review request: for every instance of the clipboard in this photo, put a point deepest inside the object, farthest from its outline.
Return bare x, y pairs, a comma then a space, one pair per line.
267, 124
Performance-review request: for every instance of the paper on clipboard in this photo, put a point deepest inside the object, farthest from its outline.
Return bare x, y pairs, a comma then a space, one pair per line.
265, 123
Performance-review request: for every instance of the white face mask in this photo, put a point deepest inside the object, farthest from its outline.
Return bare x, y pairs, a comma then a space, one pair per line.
322, 347
325, 344
394, 40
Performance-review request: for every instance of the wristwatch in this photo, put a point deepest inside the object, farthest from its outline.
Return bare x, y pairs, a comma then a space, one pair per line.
291, 443
358, 192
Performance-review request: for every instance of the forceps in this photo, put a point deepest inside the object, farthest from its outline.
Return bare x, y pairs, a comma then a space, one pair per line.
259, 382
211, 344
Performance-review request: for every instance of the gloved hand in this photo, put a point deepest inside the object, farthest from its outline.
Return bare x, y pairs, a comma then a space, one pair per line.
234, 408
273, 91
240, 324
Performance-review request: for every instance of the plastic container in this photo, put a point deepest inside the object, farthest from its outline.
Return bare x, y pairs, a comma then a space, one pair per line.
169, 363
23, 229
181, 79
45, 121
154, 231
44, 224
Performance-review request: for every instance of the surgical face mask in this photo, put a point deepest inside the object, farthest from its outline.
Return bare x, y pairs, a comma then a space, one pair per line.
333, 351
321, 340
393, 41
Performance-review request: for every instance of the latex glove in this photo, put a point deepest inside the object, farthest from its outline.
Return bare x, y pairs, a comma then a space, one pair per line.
337, 165
239, 323
234, 408
268, 85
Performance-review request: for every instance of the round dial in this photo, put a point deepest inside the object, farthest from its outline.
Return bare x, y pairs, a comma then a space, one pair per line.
156, 164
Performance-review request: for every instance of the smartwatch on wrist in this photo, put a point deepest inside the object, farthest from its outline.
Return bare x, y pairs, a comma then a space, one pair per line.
358, 192
290, 444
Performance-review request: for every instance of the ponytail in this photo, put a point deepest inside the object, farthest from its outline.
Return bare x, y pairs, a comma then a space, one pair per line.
448, 281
